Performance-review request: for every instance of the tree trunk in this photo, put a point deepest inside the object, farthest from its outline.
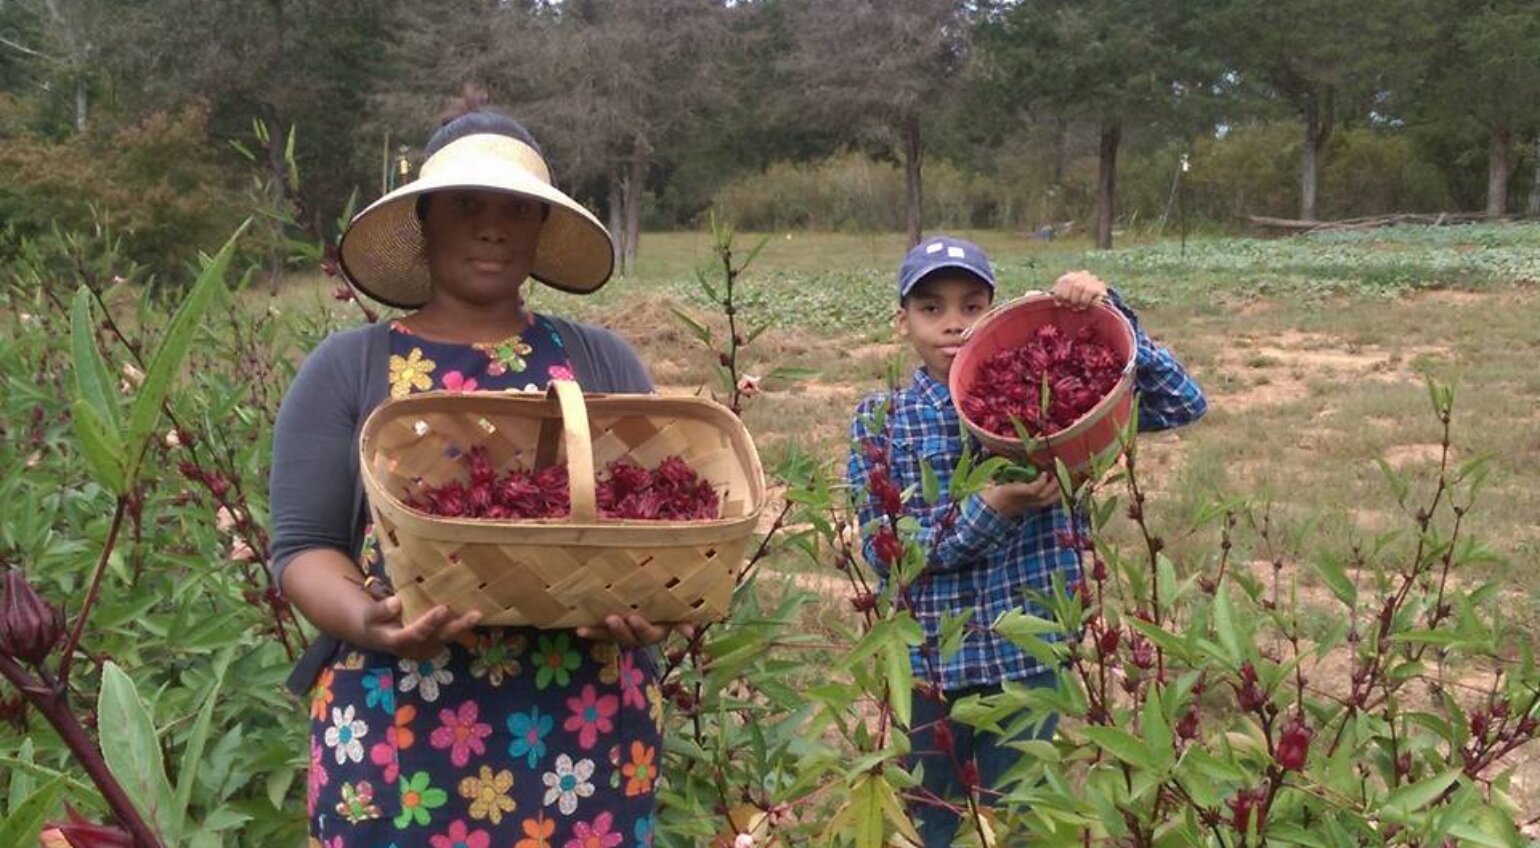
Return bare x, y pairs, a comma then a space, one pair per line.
617, 219
1107, 183
1318, 114
913, 185
635, 182
1533, 208
1497, 173
1061, 157
82, 106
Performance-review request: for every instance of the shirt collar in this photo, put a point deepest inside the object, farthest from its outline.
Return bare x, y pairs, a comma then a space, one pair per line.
933, 391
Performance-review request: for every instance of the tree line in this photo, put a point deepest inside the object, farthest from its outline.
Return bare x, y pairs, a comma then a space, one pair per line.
650, 109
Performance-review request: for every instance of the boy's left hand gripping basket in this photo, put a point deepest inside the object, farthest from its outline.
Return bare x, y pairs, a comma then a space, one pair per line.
559, 572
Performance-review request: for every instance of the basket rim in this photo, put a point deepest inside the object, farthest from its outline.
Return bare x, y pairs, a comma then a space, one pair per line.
424, 523
1080, 425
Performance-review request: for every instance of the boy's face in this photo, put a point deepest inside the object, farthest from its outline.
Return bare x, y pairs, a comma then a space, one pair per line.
937, 312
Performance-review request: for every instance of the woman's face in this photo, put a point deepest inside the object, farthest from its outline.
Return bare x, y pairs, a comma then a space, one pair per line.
480, 244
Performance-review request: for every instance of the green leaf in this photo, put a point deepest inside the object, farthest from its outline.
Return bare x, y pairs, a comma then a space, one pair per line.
92, 382
1123, 745
1415, 797
866, 801
21, 780
26, 820
132, 750
173, 350
1224, 625
930, 484
699, 330
900, 675
101, 446
192, 754
1336, 579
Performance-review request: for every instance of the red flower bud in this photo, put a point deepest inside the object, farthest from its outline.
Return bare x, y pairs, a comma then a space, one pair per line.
1187, 728
343, 292
1141, 651
863, 601
969, 775
943, 734
1480, 722
1107, 641
30, 627
1293, 745
80, 833
887, 547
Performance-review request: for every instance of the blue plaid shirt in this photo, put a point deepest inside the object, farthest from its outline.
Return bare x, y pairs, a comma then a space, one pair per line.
978, 559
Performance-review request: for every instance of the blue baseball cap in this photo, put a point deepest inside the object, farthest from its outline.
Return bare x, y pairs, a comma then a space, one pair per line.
938, 252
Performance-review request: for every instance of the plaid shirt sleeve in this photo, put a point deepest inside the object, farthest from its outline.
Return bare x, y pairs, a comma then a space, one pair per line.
1168, 396
952, 534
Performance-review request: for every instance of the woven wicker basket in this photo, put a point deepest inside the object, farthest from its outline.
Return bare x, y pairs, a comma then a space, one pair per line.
559, 572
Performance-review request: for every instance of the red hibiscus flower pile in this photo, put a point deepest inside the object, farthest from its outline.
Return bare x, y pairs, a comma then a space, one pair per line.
1078, 371
625, 490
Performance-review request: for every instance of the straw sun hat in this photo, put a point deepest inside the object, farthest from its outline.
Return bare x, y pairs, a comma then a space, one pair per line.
382, 250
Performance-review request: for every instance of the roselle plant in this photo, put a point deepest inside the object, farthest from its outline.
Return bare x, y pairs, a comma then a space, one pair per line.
152, 596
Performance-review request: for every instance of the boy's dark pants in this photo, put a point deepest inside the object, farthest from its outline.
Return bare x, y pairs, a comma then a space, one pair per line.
994, 758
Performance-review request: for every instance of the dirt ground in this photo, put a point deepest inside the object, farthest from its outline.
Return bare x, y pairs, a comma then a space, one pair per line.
1305, 387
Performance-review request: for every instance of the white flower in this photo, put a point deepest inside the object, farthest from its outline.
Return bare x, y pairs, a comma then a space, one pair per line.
748, 385
241, 552
225, 519
132, 375
743, 840
173, 438
344, 735
426, 676
568, 782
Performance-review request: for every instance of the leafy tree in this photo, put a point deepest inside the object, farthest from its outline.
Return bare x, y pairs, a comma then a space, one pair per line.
1115, 64
1321, 59
1488, 75
881, 69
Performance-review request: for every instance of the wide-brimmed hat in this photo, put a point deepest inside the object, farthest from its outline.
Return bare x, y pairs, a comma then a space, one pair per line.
382, 249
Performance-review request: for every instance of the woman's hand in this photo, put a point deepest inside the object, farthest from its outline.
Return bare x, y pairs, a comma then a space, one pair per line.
633, 631
421, 640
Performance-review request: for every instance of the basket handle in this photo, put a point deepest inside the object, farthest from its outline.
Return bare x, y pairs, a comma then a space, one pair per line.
571, 425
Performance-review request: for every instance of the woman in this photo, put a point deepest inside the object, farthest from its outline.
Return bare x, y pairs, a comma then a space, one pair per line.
434, 732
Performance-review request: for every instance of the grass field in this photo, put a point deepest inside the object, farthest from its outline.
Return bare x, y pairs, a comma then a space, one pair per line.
1313, 352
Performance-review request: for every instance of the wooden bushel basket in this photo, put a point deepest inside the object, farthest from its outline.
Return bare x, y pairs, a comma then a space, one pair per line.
570, 571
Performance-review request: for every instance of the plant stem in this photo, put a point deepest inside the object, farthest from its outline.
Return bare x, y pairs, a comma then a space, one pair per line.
50, 699
68, 654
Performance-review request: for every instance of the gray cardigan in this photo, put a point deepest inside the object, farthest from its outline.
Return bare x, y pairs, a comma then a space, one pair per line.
315, 493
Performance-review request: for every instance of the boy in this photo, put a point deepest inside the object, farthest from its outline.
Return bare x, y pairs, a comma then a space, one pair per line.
983, 552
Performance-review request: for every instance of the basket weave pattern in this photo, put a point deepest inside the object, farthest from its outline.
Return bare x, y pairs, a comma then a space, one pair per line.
559, 572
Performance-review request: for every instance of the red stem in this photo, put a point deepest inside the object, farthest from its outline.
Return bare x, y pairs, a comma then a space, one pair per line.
68, 655
52, 702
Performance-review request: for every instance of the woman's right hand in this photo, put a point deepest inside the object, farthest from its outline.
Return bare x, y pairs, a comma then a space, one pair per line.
420, 640
324, 585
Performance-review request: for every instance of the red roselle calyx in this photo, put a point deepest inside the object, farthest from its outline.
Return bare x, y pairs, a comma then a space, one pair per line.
1293, 745
1187, 728
80, 833
30, 627
1241, 807
887, 546
672, 491
1077, 372
1249, 696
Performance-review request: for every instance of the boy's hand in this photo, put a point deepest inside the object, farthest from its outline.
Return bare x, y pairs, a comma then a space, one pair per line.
1079, 289
1013, 499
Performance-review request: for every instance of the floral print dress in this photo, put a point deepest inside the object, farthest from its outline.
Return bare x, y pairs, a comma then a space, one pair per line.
516, 738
